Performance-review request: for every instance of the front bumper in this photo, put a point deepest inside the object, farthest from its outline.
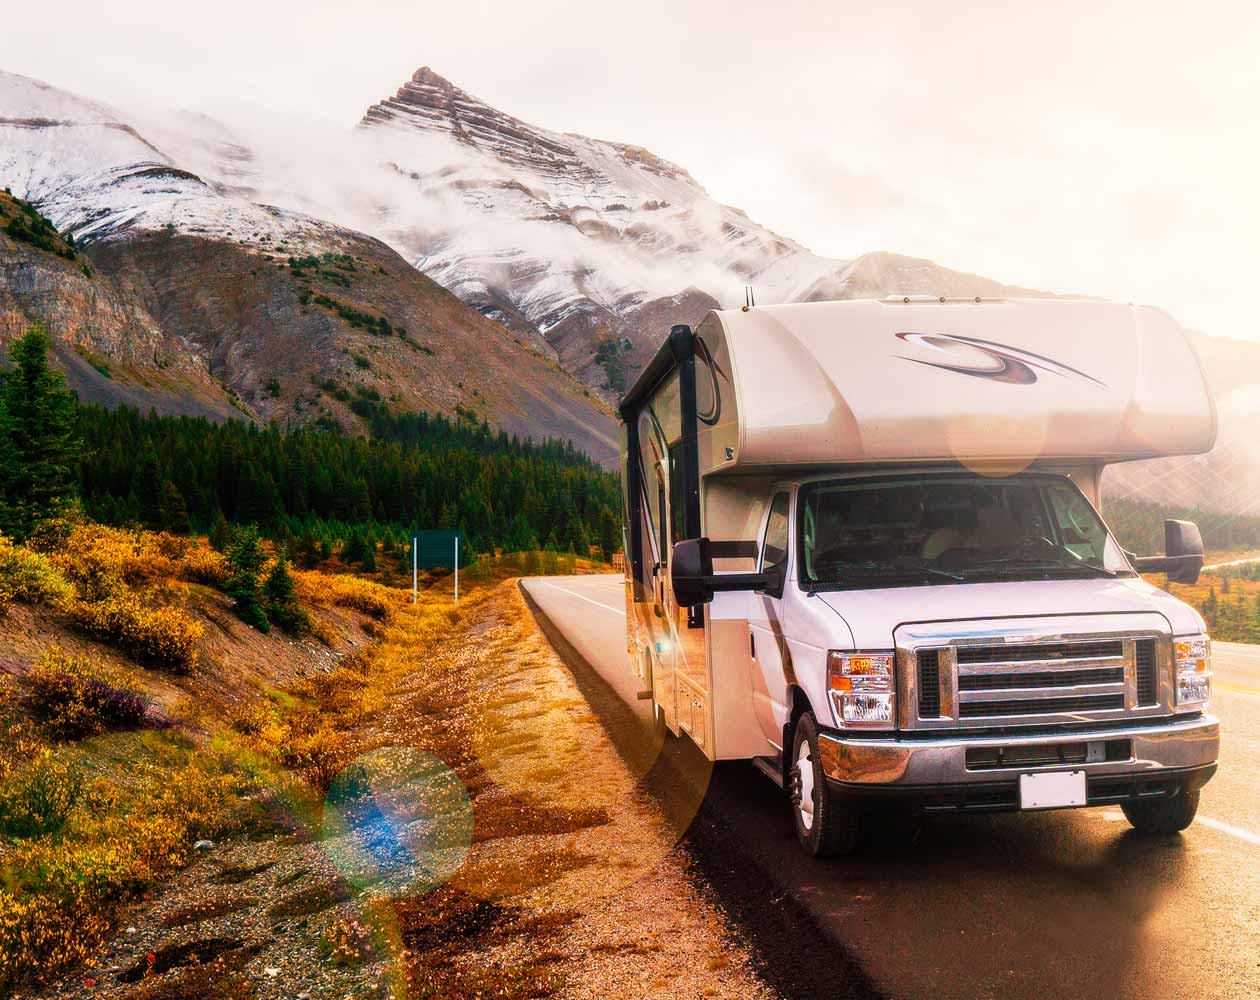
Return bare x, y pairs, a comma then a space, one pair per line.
1164, 757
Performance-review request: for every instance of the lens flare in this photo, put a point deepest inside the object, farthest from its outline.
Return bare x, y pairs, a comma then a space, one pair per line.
397, 817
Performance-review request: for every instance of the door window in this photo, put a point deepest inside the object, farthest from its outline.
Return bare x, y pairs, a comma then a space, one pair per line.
774, 543
662, 521
1079, 529
676, 492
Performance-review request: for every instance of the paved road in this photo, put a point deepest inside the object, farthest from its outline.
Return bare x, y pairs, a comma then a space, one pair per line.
1063, 904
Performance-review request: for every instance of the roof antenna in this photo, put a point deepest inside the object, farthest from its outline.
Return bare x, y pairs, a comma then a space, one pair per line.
750, 300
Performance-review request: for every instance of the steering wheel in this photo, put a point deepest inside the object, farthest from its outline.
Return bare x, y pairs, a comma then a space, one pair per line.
1040, 541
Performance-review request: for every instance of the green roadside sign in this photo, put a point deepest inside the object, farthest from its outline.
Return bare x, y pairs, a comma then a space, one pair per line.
435, 549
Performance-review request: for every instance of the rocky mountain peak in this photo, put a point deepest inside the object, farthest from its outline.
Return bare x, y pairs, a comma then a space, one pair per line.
430, 103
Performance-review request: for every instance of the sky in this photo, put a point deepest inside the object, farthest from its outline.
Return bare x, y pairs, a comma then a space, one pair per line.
1098, 147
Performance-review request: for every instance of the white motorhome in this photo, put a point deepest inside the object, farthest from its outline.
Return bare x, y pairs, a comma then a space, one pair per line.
863, 550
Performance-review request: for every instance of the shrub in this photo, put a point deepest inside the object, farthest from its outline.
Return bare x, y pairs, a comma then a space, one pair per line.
45, 930
103, 561
165, 637
319, 757
204, 565
76, 697
37, 801
348, 591
29, 577
59, 897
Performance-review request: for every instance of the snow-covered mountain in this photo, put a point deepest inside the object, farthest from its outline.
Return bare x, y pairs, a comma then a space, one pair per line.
96, 176
587, 249
584, 251
195, 297
584, 239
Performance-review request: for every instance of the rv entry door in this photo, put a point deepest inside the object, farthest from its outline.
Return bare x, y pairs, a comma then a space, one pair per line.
770, 660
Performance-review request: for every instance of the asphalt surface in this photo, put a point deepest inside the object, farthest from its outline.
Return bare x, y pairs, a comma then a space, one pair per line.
1061, 904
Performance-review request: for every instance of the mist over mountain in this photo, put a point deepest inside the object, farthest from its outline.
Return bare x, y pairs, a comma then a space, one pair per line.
191, 297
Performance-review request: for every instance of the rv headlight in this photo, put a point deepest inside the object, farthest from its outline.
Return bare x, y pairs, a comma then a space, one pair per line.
861, 687
1192, 655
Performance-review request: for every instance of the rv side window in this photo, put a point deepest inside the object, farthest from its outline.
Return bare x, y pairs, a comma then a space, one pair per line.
662, 521
774, 544
676, 492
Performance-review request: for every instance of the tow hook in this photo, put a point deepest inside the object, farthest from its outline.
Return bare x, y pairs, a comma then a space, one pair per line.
794, 785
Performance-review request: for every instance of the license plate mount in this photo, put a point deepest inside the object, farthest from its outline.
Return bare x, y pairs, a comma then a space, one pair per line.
1052, 790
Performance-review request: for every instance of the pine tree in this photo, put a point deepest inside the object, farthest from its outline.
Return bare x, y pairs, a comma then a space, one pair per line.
38, 438
148, 487
220, 532
355, 549
174, 512
280, 597
245, 562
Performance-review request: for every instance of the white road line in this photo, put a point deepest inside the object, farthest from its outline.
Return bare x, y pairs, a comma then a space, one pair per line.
1229, 828
1115, 816
583, 597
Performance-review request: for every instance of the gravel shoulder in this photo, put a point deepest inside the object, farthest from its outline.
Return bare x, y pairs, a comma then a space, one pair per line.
486, 840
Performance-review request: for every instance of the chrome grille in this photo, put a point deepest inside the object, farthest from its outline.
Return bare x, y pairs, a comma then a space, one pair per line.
1039, 678
1017, 706
1057, 651
1017, 677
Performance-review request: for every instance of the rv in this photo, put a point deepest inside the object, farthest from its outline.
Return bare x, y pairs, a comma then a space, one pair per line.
864, 550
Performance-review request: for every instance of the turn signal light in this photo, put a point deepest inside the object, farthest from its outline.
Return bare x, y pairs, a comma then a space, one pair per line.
861, 687
1193, 656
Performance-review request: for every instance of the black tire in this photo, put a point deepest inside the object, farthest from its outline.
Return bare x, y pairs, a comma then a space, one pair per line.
1162, 816
835, 825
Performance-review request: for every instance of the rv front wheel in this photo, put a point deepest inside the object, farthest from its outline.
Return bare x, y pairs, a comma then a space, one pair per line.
1162, 816
825, 824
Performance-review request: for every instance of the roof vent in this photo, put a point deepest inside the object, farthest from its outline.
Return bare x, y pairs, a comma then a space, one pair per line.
943, 299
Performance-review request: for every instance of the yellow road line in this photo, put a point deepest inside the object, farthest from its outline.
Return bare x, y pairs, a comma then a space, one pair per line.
1235, 688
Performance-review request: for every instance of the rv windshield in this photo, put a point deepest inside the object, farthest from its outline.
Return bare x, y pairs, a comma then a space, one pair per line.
913, 530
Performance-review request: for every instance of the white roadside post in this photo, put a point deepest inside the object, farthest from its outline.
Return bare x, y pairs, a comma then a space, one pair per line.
414, 562
457, 569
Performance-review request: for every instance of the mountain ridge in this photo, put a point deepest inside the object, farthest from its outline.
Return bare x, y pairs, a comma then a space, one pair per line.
541, 268
194, 303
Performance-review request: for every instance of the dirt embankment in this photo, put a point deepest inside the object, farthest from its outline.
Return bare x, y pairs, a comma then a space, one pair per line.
482, 839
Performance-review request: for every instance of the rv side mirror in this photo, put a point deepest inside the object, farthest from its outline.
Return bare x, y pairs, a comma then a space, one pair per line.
688, 568
1183, 553
693, 579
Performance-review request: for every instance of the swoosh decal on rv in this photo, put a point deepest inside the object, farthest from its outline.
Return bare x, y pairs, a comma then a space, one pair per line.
1009, 364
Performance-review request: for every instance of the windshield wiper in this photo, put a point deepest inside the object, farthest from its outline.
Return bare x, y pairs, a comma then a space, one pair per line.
1030, 563
941, 572
892, 574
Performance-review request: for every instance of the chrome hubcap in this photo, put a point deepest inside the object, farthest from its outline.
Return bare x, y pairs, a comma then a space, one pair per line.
805, 775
